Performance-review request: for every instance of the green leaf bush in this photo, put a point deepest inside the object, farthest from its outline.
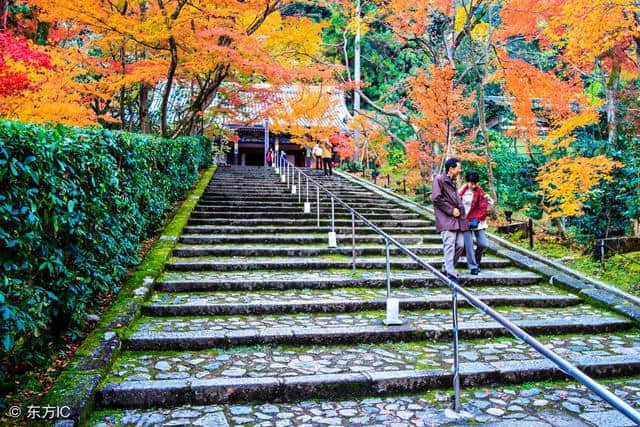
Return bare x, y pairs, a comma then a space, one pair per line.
75, 204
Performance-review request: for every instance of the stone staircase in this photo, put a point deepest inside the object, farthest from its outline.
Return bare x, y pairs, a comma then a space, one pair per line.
254, 307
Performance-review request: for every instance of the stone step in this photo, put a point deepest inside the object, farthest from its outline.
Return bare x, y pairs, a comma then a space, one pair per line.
295, 251
195, 333
283, 230
293, 202
285, 360
144, 394
284, 197
211, 213
560, 403
323, 279
336, 302
291, 208
301, 239
260, 190
292, 263
309, 221
515, 361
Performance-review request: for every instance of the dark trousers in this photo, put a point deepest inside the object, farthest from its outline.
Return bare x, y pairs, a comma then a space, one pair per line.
327, 164
318, 163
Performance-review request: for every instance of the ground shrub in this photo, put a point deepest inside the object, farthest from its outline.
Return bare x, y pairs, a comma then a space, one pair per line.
75, 204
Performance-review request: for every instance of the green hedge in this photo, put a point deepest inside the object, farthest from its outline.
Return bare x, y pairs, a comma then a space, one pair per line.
75, 205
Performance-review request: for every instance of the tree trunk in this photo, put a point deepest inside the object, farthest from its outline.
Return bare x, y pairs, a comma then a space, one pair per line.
562, 231
612, 118
123, 122
487, 146
145, 122
4, 13
205, 97
636, 227
167, 87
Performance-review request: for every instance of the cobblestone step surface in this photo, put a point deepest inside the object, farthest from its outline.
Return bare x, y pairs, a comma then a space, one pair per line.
296, 208
282, 360
205, 213
340, 262
327, 279
303, 239
175, 333
326, 222
296, 251
338, 301
223, 389
284, 229
545, 405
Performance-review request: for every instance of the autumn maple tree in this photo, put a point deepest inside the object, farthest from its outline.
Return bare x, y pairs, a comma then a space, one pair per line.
177, 52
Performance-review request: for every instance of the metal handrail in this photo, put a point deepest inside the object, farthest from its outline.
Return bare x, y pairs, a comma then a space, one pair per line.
516, 331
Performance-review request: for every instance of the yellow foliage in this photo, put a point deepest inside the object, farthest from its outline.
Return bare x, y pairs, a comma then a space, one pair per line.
567, 182
559, 137
480, 31
460, 19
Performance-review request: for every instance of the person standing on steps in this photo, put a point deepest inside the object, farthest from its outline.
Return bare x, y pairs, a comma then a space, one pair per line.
476, 203
270, 156
327, 158
451, 221
317, 155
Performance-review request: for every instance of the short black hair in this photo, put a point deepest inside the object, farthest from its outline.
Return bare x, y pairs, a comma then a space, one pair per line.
473, 177
450, 163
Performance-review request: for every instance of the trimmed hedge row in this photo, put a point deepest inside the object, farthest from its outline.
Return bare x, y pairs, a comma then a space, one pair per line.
75, 204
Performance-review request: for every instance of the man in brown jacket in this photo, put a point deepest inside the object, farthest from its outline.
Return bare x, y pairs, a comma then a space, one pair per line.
451, 222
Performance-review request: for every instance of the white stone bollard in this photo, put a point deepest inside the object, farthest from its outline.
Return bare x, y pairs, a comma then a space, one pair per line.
393, 311
333, 242
307, 207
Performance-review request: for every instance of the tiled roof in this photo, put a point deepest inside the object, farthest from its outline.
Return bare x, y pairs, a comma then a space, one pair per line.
240, 106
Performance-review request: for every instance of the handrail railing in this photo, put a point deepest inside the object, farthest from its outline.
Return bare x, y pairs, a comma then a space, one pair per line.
616, 251
564, 365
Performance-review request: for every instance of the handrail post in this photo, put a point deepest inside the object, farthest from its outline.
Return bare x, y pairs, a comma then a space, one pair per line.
275, 160
333, 221
293, 180
307, 205
299, 185
456, 362
388, 262
393, 304
353, 240
333, 242
318, 203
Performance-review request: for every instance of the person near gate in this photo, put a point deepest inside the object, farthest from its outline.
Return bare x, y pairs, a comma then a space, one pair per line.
270, 156
327, 159
317, 155
451, 221
476, 203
